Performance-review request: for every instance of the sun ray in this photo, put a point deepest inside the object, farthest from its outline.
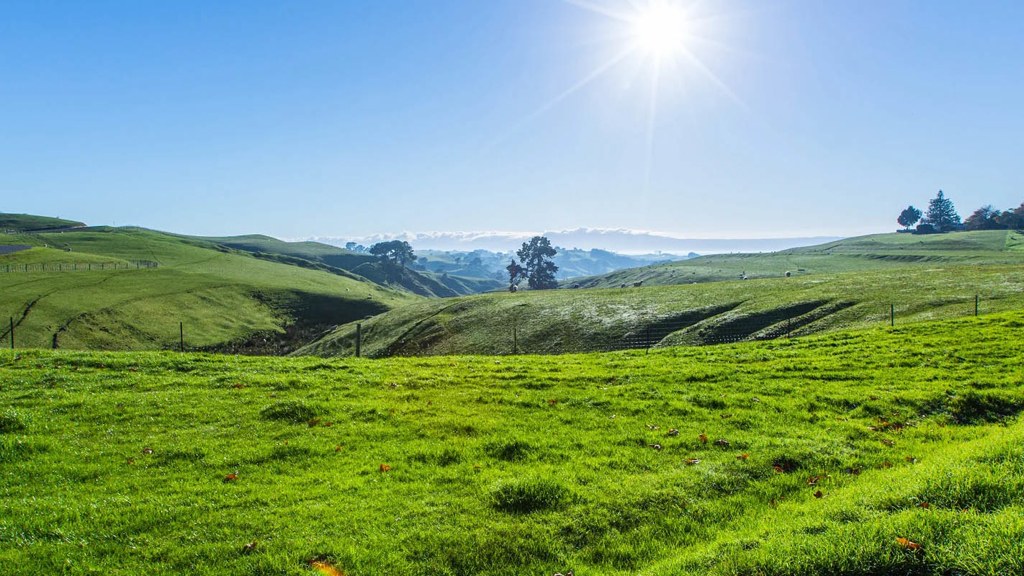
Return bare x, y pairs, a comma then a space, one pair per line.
693, 59
599, 9
596, 73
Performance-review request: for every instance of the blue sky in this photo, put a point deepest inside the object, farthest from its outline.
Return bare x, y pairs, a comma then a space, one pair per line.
804, 117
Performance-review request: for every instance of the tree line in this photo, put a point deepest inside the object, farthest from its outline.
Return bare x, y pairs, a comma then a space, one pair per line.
943, 217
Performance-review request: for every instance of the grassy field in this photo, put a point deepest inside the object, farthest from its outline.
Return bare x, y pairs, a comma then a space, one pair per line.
226, 299
558, 321
860, 254
863, 453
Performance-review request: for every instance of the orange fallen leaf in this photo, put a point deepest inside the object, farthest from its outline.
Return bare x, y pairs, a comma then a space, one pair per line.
743, 456
314, 422
693, 461
925, 505
384, 468
238, 386
811, 481
726, 415
911, 459
552, 402
703, 438
231, 477
325, 569
249, 547
778, 468
338, 449
147, 450
818, 494
673, 432
908, 544
888, 443
131, 460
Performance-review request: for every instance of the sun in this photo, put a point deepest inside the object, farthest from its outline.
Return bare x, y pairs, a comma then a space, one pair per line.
660, 29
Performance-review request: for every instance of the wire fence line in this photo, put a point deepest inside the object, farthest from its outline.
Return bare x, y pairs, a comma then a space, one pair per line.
78, 266
686, 329
694, 329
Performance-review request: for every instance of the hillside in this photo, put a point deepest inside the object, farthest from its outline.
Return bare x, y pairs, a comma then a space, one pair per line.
846, 289
29, 222
861, 454
128, 289
331, 259
864, 253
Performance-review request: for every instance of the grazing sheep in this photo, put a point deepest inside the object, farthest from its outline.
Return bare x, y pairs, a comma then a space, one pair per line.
513, 288
575, 286
788, 273
638, 284
623, 285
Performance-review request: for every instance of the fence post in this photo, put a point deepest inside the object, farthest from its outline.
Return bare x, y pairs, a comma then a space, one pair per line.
181, 336
975, 304
359, 339
648, 339
12, 332
515, 341
892, 315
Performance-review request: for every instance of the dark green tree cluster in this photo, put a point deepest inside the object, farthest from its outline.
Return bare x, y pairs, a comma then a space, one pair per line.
988, 218
535, 265
393, 255
942, 217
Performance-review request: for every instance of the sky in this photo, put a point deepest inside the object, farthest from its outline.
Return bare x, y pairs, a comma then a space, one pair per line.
767, 118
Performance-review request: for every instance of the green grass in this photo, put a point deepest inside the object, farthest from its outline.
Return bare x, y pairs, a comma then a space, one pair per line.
118, 462
558, 321
861, 254
225, 298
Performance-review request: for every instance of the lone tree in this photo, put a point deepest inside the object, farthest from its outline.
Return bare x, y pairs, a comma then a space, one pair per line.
535, 262
909, 217
941, 213
393, 255
515, 274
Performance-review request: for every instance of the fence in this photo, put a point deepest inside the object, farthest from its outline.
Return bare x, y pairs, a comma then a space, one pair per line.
79, 266
686, 328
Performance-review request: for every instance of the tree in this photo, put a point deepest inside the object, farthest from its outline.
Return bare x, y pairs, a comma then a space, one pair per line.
909, 217
393, 255
535, 257
984, 218
351, 246
1012, 219
942, 214
515, 274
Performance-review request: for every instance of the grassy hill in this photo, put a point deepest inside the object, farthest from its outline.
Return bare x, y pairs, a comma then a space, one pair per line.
558, 321
861, 454
331, 258
227, 299
29, 222
864, 253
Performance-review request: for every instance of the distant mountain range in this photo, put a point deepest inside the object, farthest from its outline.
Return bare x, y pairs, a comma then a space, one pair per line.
615, 240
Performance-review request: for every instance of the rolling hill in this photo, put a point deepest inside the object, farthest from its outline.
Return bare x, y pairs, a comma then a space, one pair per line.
843, 285
863, 253
331, 259
128, 289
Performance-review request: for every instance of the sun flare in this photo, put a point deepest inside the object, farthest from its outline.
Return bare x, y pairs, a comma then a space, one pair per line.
660, 29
